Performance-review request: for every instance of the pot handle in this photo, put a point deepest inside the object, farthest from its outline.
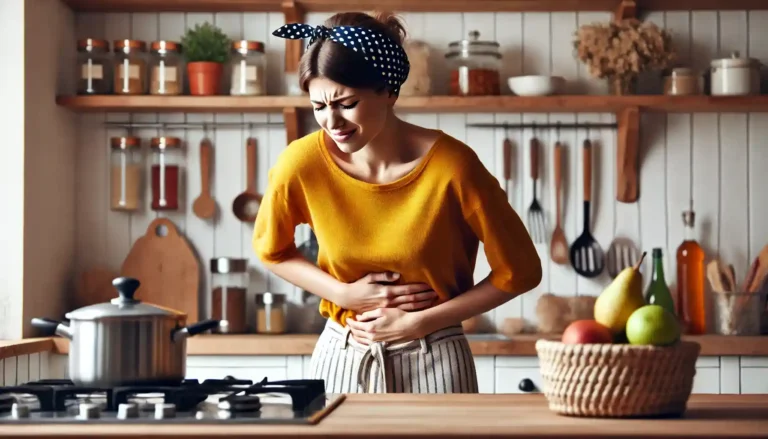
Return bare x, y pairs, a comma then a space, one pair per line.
52, 327
194, 329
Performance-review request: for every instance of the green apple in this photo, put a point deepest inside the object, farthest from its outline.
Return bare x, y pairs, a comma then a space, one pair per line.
652, 325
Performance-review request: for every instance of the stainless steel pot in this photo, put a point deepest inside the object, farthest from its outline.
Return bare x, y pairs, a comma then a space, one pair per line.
126, 342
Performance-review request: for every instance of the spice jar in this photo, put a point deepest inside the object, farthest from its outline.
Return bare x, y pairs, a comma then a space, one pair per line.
125, 173
735, 76
165, 71
271, 309
94, 68
474, 66
229, 277
249, 70
418, 82
683, 81
130, 67
165, 172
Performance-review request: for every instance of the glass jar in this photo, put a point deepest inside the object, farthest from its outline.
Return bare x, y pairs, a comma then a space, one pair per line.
94, 68
682, 82
230, 280
165, 68
249, 69
271, 309
474, 67
168, 158
125, 173
130, 67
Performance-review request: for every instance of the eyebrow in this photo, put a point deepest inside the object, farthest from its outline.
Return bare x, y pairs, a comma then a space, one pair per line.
333, 101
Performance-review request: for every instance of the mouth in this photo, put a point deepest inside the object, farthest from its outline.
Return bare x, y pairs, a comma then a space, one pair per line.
341, 136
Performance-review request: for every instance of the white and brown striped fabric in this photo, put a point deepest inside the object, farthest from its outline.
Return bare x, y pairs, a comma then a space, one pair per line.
438, 363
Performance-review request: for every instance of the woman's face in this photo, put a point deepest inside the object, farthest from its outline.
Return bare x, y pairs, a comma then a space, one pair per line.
351, 117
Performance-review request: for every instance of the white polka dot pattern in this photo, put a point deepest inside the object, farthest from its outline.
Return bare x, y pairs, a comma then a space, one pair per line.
386, 56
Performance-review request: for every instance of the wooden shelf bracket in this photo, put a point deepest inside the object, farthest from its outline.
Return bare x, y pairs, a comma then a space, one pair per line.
293, 48
626, 9
627, 155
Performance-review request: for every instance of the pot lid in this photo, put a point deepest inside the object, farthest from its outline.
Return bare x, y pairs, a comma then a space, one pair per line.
125, 305
735, 60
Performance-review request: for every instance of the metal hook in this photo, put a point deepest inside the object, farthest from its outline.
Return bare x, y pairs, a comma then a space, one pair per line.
205, 130
557, 131
250, 130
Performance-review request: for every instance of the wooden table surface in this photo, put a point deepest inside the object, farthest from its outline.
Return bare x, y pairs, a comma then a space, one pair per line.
440, 416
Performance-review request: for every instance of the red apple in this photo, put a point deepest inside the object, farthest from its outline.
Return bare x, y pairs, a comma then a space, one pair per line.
586, 331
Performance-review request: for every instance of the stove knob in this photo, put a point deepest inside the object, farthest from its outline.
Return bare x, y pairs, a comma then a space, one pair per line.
19, 411
128, 411
89, 411
165, 411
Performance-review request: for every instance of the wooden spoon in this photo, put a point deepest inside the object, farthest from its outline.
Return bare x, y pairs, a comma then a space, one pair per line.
246, 205
204, 206
558, 247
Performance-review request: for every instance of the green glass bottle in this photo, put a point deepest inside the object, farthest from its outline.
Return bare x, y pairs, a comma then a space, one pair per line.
658, 292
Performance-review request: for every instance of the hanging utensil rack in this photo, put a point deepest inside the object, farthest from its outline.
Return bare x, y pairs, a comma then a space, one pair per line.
191, 125
535, 126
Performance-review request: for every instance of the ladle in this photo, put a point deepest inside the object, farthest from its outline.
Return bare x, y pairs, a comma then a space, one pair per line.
246, 205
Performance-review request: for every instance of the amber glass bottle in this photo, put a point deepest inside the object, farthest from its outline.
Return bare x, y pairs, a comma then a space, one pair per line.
690, 280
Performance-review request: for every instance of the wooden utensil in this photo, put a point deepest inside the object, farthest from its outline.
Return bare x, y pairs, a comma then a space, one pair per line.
204, 206
167, 269
507, 150
714, 274
586, 255
246, 205
558, 246
94, 286
536, 223
756, 285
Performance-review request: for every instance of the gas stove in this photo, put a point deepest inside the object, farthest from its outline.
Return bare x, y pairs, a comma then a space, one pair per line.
228, 400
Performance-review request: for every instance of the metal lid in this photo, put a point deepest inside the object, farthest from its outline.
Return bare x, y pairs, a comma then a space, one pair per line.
92, 45
164, 142
734, 61
228, 265
245, 46
473, 46
270, 298
122, 306
164, 46
683, 71
125, 142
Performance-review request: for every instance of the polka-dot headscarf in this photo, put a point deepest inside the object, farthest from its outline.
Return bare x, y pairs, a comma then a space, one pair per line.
384, 54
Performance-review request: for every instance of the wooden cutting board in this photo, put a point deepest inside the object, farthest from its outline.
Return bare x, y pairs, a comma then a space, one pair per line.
167, 268
94, 286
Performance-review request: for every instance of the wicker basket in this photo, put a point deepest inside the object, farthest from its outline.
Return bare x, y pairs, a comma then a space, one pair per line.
617, 380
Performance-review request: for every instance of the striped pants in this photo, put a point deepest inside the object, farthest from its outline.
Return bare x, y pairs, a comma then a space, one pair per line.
441, 362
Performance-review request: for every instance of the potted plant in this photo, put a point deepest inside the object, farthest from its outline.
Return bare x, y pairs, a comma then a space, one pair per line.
206, 49
620, 50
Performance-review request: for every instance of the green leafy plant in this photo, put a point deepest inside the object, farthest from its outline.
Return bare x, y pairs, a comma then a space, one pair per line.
206, 42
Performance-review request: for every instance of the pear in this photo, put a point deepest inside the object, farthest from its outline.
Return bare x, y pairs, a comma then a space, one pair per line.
621, 298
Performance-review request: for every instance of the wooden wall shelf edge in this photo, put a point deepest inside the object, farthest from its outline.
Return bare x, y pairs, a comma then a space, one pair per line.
304, 344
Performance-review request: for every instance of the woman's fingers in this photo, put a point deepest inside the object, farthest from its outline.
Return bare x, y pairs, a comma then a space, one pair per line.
414, 297
415, 306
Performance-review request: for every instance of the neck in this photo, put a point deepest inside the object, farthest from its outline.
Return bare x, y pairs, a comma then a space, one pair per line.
386, 149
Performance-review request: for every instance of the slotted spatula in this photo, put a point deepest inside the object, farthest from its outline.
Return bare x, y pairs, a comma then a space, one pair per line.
587, 257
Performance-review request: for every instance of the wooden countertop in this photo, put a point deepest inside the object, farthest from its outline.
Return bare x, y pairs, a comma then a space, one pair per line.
303, 344
441, 416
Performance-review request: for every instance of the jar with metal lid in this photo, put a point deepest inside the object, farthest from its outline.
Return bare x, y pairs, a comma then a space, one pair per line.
130, 67
125, 173
228, 304
271, 310
249, 69
168, 159
735, 76
94, 67
683, 81
165, 68
474, 67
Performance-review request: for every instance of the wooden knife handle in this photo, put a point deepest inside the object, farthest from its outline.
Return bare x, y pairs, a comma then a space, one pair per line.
250, 151
558, 175
587, 170
205, 165
507, 158
534, 149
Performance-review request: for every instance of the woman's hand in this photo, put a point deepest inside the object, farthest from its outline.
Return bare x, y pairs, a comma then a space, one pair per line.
386, 324
373, 291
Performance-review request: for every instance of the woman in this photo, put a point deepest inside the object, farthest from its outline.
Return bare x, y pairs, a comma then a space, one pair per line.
398, 211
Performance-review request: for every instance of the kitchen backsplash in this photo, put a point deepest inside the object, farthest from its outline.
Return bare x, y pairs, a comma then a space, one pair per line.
717, 161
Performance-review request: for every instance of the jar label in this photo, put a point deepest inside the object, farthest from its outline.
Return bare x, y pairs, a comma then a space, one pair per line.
133, 71
250, 73
91, 71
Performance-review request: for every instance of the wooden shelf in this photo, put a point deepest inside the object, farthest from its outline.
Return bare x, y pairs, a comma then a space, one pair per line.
404, 5
474, 104
304, 344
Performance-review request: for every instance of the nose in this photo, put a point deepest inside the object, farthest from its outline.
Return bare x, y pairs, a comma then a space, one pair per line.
335, 120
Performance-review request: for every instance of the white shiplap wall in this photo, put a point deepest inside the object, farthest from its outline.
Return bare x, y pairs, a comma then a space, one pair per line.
715, 159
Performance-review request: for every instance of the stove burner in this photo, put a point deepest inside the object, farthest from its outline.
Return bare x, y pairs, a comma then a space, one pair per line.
240, 403
6, 403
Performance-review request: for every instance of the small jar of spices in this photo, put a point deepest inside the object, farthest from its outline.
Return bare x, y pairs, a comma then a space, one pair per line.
249, 68
474, 67
125, 173
94, 68
165, 69
130, 67
168, 157
682, 82
271, 310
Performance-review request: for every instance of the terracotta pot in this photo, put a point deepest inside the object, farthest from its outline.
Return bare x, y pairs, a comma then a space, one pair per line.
204, 78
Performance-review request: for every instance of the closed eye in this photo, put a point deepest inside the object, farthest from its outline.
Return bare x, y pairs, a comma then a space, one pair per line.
344, 107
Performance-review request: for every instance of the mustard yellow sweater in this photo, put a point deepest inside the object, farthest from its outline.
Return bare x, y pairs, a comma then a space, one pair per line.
425, 226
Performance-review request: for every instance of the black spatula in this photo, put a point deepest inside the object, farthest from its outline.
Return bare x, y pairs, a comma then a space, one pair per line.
587, 257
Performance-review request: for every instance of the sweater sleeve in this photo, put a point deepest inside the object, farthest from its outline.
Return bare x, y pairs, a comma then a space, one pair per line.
274, 230
512, 256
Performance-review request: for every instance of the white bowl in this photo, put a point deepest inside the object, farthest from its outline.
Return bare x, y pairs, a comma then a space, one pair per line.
536, 85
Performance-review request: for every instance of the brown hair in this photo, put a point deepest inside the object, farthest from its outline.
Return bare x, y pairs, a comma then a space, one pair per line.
340, 64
